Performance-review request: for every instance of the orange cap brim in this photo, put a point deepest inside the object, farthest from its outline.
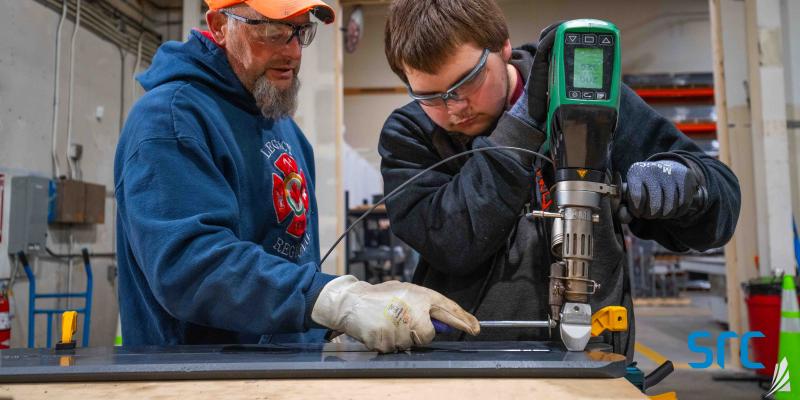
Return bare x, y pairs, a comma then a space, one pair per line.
282, 9
217, 4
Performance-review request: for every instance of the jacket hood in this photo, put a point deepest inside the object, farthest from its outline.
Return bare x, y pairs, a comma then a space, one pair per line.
198, 60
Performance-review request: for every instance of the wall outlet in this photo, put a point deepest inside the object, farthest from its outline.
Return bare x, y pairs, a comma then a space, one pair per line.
75, 151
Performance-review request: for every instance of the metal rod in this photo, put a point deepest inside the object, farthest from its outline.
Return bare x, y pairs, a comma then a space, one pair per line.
543, 214
518, 324
59, 295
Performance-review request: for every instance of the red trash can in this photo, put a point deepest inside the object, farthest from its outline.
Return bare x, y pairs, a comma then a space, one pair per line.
763, 299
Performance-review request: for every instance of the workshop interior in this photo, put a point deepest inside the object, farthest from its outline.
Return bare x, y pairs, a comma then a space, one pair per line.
694, 322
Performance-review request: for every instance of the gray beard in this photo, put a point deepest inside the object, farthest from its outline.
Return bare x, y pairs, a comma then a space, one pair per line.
273, 102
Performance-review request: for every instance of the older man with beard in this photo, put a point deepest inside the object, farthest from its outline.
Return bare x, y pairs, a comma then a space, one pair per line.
217, 220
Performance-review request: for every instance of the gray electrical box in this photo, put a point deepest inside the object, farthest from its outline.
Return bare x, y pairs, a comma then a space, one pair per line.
27, 224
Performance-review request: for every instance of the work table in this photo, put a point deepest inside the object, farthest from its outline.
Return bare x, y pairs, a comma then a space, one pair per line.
309, 371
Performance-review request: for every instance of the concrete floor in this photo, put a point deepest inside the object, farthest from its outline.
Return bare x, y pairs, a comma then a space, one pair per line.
662, 333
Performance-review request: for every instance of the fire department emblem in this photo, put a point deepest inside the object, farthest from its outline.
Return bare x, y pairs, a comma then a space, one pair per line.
290, 195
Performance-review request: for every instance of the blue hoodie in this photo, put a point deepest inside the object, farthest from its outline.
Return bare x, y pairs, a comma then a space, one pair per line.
217, 234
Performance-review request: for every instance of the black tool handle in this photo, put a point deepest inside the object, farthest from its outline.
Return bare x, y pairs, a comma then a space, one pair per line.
85, 254
658, 374
23, 258
698, 202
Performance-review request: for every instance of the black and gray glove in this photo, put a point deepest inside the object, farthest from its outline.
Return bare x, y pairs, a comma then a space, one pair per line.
664, 189
531, 107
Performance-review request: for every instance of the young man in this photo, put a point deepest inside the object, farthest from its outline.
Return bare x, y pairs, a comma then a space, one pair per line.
217, 220
470, 91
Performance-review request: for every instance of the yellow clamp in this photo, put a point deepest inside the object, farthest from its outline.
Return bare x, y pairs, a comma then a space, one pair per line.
612, 318
69, 324
665, 396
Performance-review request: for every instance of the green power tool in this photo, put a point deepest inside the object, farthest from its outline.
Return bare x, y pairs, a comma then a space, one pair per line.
583, 105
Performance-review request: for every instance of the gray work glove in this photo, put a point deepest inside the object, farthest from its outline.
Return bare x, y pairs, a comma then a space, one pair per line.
389, 316
664, 189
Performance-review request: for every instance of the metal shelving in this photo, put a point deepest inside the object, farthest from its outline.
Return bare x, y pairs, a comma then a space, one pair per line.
685, 99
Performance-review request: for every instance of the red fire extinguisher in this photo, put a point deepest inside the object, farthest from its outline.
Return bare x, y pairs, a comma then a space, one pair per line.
5, 322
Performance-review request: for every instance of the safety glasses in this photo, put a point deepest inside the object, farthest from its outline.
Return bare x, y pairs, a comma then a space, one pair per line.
279, 32
460, 90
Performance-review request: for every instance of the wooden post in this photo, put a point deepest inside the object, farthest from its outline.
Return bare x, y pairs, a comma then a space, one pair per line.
341, 220
732, 279
192, 16
770, 137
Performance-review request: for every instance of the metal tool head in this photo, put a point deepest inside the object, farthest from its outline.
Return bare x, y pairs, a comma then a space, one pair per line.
576, 325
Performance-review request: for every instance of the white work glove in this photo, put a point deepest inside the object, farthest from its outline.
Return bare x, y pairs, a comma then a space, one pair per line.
389, 316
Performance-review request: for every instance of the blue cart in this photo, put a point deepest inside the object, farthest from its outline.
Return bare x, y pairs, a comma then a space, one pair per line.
32, 296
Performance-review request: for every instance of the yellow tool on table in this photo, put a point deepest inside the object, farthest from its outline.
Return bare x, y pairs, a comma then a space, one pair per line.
611, 318
69, 325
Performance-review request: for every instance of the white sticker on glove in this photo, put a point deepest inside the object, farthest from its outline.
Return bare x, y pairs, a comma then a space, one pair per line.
397, 312
664, 168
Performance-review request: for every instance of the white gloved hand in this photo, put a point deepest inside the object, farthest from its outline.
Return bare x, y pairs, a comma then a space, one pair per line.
389, 316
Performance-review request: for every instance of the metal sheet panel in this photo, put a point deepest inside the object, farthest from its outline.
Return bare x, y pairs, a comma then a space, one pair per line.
346, 360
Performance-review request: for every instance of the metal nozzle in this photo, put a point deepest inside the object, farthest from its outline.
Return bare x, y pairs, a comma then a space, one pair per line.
576, 325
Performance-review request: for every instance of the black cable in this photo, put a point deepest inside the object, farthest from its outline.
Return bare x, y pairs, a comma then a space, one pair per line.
54, 255
70, 255
413, 178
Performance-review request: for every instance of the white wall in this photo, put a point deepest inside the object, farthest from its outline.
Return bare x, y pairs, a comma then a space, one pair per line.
657, 36
364, 181
27, 57
367, 67
790, 11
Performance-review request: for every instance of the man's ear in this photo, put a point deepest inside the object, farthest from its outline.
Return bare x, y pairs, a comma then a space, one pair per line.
505, 52
218, 25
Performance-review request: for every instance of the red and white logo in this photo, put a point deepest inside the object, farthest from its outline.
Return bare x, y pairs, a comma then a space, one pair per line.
290, 195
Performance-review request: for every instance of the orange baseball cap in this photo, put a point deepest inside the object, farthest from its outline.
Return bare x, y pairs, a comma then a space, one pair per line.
281, 9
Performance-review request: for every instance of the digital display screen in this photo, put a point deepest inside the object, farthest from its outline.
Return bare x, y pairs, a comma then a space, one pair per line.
588, 70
